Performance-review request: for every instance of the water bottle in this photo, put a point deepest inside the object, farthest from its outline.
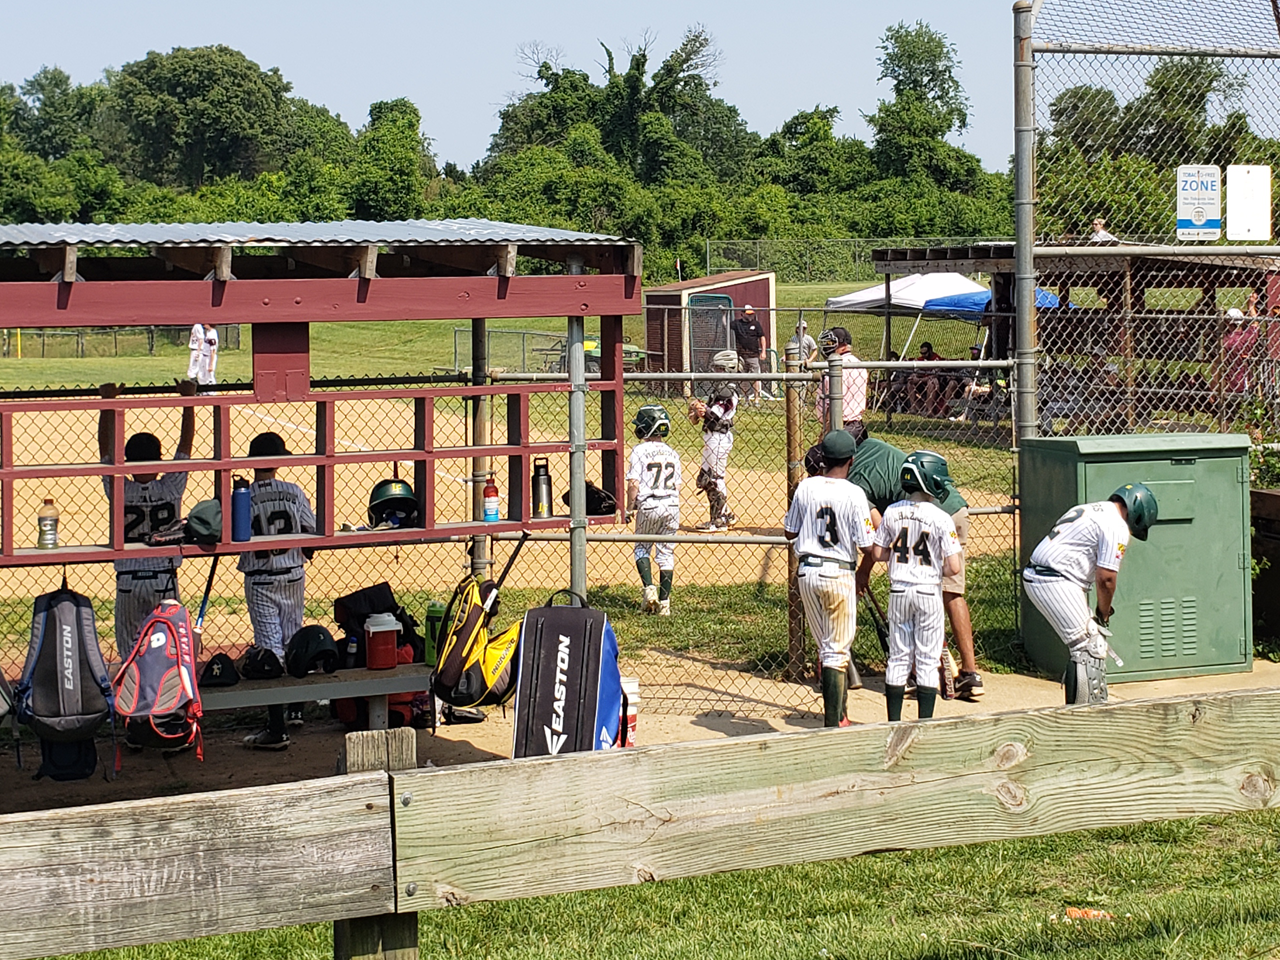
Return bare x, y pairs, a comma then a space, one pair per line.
541, 489
435, 617
353, 650
491, 514
47, 523
241, 513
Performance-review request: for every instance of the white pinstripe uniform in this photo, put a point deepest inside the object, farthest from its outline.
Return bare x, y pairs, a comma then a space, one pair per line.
1064, 566
142, 582
919, 537
274, 580
831, 519
655, 468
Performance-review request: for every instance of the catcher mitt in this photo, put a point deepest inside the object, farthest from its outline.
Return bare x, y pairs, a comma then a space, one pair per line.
697, 410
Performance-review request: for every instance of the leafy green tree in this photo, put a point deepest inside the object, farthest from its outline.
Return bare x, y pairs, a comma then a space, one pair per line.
1087, 119
806, 157
921, 63
201, 112
54, 117
388, 179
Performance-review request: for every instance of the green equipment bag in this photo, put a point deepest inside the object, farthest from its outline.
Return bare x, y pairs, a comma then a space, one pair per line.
474, 668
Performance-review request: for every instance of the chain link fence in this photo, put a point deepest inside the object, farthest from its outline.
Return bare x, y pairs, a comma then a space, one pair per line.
724, 649
817, 260
90, 342
1148, 116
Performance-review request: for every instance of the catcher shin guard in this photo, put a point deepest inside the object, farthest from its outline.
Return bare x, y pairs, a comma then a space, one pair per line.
706, 480
834, 691
1085, 680
718, 503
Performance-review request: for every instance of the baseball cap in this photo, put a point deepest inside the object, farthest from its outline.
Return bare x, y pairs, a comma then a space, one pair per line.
838, 445
268, 445
1235, 313
748, 309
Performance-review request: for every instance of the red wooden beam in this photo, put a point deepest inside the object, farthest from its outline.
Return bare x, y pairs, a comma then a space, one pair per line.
130, 303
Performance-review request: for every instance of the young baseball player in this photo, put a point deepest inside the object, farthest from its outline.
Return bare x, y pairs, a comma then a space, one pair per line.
1084, 549
151, 501
919, 541
828, 521
716, 417
653, 498
274, 580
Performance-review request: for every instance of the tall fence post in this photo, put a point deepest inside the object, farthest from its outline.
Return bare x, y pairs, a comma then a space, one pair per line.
1024, 145
480, 466
391, 936
795, 472
835, 392
577, 448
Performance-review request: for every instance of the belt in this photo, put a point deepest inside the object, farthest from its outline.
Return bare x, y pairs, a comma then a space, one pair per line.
1042, 571
144, 574
808, 560
273, 573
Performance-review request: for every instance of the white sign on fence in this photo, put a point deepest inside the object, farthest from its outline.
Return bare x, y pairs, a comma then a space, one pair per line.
1249, 202
1199, 202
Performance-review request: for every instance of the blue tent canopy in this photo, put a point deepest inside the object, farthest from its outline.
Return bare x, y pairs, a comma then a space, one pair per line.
971, 305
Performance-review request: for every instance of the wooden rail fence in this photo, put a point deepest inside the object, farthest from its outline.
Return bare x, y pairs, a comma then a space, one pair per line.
362, 847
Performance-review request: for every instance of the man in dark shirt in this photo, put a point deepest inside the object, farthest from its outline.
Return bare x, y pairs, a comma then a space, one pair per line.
877, 469
751, 343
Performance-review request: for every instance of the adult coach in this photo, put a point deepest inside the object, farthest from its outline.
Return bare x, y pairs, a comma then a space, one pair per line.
827, 522
836, 346
1084, 549
878, 471
151, 501
751, 341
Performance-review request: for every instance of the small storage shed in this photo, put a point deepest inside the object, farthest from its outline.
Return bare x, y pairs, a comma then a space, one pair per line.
685, 320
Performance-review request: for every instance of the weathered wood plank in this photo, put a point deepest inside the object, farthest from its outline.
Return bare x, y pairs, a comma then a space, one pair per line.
586, 821
148, 871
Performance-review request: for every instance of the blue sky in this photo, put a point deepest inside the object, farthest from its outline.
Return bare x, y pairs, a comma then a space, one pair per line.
458, 61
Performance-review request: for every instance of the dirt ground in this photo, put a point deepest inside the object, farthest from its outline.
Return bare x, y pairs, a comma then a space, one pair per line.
315, 749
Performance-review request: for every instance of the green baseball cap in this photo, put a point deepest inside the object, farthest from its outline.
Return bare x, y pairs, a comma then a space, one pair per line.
838, 445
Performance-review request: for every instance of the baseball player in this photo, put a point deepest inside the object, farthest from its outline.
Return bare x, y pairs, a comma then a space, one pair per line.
653, 498
828, 521
919, 541
151, 501
716, 417
1084, 549
878, 470
274, 580
208, 366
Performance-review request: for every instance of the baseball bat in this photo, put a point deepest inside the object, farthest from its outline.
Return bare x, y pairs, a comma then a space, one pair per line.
197, 631
878, 620
493, 594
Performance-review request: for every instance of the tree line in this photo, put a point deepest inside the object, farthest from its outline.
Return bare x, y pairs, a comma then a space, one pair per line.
206, 134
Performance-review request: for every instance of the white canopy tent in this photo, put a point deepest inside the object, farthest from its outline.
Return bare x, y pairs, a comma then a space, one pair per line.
906, 294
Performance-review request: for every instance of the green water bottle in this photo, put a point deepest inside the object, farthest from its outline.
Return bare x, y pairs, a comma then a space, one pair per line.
435, 620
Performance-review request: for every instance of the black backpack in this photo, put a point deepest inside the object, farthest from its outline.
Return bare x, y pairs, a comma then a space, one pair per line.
64, 694
351, 611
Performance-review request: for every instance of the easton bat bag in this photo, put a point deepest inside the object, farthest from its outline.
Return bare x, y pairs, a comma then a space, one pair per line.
64, 694
568, 688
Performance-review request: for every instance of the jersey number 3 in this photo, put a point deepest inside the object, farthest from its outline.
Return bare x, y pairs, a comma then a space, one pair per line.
830, 535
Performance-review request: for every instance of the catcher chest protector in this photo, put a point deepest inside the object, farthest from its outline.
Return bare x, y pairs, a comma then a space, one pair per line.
473, 668
64, 693
569, 691
156, 688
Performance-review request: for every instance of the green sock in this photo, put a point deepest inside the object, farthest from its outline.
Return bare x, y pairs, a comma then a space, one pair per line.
894, 696
926, 697
664, 583
646, 572
835, 685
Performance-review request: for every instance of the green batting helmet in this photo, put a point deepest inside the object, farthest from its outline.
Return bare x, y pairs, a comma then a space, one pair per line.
651, 421
393, 500
311, 648
1141, 509
926, 471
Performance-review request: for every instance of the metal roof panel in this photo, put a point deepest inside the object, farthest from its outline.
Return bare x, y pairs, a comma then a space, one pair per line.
335, 233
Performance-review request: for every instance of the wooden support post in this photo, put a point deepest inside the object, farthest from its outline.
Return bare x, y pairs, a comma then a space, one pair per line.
222, 263
507, 259
70, 254
390, 936
368, 263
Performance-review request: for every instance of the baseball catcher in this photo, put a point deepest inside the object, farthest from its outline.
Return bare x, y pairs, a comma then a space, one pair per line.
715, 414
1084, 549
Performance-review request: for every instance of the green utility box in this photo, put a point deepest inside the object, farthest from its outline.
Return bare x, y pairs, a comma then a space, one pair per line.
1183, 598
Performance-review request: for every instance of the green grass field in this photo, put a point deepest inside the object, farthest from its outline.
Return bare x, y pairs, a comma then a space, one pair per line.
1188, 889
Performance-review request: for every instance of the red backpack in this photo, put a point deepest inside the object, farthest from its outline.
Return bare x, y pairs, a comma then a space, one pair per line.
156, 690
